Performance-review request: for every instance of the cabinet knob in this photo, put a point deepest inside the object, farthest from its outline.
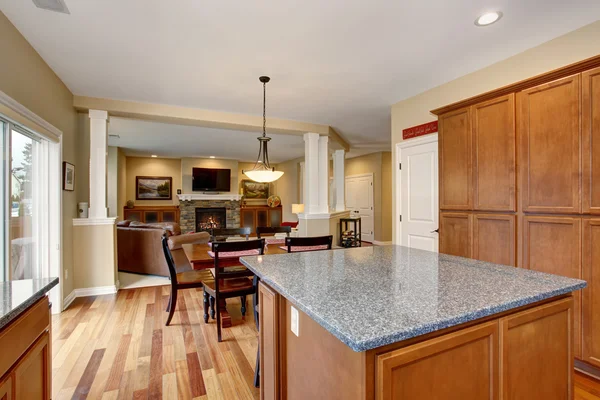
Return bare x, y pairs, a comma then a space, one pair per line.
436, 231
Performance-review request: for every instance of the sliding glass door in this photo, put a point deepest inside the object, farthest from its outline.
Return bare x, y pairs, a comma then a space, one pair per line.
25, 203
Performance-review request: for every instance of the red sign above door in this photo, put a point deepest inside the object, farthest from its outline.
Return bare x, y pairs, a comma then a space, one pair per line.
420, 130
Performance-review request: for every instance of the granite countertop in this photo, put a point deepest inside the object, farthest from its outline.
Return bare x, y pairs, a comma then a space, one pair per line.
373, 296
17, 296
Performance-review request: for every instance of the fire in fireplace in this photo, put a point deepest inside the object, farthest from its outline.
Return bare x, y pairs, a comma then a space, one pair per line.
207, 218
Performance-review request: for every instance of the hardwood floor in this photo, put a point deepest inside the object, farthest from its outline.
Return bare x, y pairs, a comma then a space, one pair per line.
117, 347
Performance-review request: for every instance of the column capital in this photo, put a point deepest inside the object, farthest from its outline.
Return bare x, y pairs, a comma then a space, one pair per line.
323, 139
98, 114
308, 136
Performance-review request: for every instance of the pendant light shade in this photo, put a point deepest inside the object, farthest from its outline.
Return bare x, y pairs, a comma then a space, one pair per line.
262, 171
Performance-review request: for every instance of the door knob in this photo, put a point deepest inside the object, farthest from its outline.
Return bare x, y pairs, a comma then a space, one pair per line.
436, 231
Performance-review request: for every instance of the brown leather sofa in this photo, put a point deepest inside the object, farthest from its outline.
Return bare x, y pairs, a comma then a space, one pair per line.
139, 247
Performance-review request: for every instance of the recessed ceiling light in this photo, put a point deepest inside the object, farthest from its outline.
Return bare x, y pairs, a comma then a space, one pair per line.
211, 157
488, 18
154, 156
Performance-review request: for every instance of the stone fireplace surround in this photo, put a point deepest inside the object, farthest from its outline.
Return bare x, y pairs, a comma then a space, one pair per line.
187, 212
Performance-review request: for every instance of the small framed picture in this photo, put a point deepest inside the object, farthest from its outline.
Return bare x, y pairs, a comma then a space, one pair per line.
68, 176
153, 187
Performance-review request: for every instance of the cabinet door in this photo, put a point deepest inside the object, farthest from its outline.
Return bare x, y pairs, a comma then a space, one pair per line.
550, 139
553, 245
133, 215
494, 159
466, 361
536, 356
32, 372
268, 302
168, 216
262, 218
151, 217
590, 115
494, 238
247, 219
591, 294
6, 388
456, 230
456, 176
275, 217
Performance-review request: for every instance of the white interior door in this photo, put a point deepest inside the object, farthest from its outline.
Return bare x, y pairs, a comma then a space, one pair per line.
359, 200
419, 198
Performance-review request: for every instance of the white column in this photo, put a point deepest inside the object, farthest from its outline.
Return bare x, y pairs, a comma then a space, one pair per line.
311, 173
323, 175
98, 163
339, 180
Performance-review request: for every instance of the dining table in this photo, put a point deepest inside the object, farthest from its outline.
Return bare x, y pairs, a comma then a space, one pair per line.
199, 258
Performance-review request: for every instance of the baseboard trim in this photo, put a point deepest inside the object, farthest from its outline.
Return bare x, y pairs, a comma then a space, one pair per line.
86, 292
378, 243
68, 300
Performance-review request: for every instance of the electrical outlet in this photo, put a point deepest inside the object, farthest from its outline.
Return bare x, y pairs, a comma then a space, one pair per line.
295, 322
66, 274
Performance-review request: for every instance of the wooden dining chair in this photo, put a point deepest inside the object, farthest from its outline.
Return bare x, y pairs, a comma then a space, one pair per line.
229, 283
271, 230
182, 280
308, 243
216, 234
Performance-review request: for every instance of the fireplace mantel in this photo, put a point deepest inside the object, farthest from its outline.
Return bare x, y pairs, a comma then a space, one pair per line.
202, 196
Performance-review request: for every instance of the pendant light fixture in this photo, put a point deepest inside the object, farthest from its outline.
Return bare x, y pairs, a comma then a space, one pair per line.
262, 171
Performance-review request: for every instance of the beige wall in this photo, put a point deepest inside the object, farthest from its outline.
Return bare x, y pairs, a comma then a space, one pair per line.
96, 249
147, 166
374, 164
287, 188
570, 48
188, 163
25, 77
121, 183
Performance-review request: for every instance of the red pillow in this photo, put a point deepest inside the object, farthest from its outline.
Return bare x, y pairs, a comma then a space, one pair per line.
292, 224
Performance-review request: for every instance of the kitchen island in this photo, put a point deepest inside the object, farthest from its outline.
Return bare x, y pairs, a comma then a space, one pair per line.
390, 322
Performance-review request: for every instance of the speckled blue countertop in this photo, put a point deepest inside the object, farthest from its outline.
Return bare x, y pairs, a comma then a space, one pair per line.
373, 296
17, 296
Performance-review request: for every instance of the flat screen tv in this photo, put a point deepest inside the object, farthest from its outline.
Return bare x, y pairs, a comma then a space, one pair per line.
211, 180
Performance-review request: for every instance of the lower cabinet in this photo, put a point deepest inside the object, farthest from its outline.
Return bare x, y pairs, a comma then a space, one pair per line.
591, 295
553, 245
6, 392
486, 237
466, 361
253, 217
456, 232
269, 343
32, 372
505, 358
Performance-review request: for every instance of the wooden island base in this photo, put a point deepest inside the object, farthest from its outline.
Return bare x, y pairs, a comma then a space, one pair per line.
504, 356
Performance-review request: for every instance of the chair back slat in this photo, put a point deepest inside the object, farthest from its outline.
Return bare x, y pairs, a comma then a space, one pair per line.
308, 242
271, 230
169, 259
221, 247
217, 232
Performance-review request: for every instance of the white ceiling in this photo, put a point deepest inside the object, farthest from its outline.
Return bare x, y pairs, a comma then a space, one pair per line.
145, 138
336, 62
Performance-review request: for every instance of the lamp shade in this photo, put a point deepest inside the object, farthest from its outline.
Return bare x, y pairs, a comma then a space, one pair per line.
297, 208
263, 176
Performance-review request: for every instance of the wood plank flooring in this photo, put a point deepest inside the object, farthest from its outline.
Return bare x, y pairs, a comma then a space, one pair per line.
117, 347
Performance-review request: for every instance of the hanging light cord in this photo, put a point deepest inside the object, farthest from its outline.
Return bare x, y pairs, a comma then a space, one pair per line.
264, 109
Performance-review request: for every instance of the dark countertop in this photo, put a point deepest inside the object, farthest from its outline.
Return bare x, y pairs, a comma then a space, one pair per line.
373, 296
17, 296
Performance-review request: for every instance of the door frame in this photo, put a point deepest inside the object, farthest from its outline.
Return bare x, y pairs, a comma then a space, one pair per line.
372, 176
431, 138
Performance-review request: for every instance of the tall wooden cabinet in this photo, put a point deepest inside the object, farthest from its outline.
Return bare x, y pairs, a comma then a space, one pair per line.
520, 183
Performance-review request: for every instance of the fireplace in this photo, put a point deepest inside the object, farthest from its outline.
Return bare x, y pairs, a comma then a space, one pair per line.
207, 218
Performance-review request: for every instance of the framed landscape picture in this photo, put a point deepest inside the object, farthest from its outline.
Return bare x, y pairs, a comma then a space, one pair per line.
68, 176
153, 187
255, 190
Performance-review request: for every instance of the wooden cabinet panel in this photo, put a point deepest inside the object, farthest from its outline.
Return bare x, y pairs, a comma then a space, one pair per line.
550, 139
536, 359
262, 218
31, 374
494, 238
275, 217
247, 219
591, 294
268, 301
590, 114
456, 175
494, 159
456, 230
466, 361
553, 245
6, 388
